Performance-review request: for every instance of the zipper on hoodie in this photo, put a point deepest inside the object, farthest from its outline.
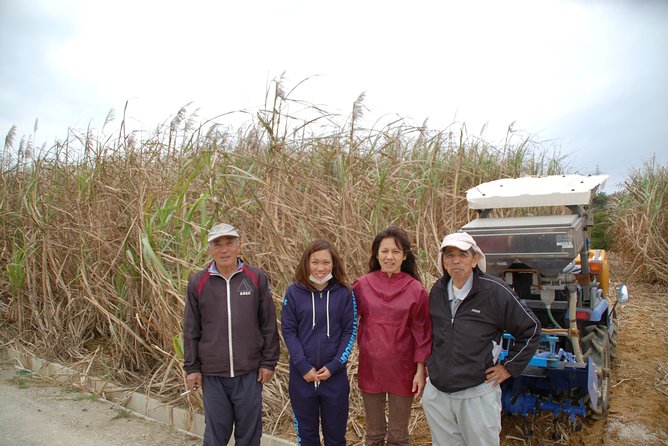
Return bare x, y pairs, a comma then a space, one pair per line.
317, 345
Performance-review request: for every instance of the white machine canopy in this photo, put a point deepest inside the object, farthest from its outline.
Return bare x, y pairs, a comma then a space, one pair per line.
553, 190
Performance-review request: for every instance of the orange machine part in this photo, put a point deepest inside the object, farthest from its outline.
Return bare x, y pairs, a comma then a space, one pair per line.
598, 266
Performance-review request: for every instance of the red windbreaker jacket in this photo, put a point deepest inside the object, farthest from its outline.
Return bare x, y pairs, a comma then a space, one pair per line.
394, 331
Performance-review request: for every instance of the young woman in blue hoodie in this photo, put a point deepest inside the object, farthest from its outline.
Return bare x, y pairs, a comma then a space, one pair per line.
319, 326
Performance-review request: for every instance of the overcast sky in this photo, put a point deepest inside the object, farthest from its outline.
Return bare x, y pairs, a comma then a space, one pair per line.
589, 76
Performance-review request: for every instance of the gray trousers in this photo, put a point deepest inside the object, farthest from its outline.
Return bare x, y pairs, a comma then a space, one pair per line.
232, 404
474, 421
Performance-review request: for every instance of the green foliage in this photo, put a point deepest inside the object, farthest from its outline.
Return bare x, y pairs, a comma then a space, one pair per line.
15, 270
601, 234
177, 343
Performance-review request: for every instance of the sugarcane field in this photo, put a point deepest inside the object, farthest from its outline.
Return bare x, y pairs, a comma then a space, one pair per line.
100, 234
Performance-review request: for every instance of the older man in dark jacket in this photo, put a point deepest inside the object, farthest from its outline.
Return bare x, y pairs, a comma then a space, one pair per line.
470, 311
230, 341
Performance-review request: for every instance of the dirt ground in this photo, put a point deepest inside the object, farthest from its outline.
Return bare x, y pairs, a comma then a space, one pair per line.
638, 412
34, 411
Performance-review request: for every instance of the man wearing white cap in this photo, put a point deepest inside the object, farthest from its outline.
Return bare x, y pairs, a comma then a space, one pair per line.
230, 341
470, 310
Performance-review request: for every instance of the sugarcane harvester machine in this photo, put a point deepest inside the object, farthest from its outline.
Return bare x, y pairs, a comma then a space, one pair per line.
547, 259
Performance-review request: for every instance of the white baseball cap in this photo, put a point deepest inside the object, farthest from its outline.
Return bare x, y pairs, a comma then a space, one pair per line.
222, 230
462, 241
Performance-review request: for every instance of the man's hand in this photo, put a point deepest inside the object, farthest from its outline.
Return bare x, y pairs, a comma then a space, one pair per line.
193, 381
264, 375
497, 374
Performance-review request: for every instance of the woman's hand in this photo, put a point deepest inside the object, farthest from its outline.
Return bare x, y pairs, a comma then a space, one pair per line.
419, 380
323, 374
311, 376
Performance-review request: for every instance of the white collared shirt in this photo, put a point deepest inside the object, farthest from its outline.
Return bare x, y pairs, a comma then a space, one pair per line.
457, 295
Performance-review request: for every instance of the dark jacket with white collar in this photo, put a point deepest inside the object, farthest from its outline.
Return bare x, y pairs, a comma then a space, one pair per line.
462, 347
229, 325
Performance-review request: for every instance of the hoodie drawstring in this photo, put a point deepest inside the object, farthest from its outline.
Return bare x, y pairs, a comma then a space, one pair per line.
327, 313
313, 311
313, 308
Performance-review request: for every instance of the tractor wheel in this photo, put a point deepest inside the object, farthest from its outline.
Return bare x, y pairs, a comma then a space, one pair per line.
614, 332
596, 345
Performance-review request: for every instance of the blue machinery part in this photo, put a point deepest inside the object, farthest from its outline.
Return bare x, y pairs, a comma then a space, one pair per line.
542, 358
598, 310
553, 381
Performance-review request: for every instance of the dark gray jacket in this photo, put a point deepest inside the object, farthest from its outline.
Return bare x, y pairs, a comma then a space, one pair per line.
462, 349
229, 327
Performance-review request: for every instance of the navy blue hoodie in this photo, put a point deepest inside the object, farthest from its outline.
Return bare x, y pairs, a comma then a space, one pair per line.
319, 327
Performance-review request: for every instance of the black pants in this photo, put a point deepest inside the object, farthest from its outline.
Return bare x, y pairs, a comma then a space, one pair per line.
232, 403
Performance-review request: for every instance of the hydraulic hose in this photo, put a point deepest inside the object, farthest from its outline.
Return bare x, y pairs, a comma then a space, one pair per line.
573, 324
551, 317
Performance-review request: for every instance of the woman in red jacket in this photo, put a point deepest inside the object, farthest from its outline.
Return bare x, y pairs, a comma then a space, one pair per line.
394, 337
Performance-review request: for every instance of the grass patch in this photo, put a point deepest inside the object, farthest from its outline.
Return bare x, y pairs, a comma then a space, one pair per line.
24, 377
70, 389
20, 383
122, 414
